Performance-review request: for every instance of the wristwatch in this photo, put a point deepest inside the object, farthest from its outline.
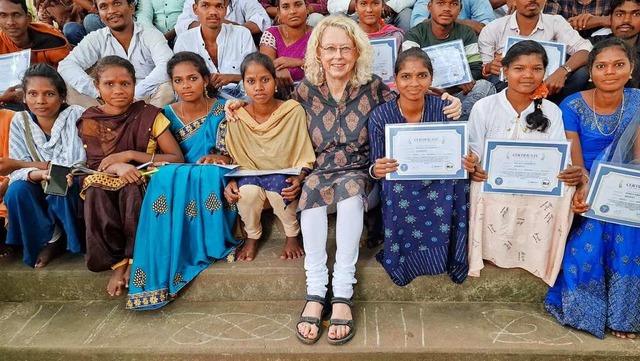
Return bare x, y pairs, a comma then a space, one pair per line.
567, 68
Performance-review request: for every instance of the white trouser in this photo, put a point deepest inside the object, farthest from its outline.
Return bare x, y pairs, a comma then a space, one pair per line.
314, 224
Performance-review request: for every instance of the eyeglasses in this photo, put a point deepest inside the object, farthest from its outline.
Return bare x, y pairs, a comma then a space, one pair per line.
344, 50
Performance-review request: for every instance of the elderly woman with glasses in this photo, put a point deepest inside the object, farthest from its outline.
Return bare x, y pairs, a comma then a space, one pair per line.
338, 93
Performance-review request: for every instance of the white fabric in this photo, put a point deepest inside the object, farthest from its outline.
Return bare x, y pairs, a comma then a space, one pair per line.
483, 125
349, 225
493, 37
240, 11
63, 148
148, 52
234, 43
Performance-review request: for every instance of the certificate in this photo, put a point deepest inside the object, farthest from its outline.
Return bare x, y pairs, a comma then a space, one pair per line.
615, 195
385, 51
14, 65
427, 151
525, 167
450, 65
556, 53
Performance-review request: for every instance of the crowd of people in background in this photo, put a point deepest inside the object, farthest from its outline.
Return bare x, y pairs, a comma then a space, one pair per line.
157, 101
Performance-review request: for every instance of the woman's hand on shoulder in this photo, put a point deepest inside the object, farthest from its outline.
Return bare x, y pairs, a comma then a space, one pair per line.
578, 203
453, 110
231, 192
384, 166
231, 106
572, 176
214, 159
128, 173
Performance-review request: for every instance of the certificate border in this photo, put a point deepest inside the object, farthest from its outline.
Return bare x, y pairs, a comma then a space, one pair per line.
490, 144
511, 40
453, 44
394, 55
461, 128
22, 55
602, 169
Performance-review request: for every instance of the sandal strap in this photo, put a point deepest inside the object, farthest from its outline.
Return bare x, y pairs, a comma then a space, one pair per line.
315, 298
340, 322
346, 301
308, 319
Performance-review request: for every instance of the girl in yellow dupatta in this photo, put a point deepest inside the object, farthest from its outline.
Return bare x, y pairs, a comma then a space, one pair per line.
269, 135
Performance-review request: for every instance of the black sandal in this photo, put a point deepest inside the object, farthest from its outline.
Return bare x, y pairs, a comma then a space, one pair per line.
341, 322
311, 320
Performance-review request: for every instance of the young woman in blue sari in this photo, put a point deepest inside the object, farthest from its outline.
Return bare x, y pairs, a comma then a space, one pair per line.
598, 287
425, 222
184, 223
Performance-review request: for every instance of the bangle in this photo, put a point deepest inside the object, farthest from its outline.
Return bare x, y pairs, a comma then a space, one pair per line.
29, 179
371, 172
153, 155
586, 176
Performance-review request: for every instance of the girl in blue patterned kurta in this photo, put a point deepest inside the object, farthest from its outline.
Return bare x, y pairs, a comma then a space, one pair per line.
425, 222
599, 285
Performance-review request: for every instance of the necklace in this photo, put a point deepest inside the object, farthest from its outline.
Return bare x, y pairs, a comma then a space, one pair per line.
184, 115
262, 120
286, 33
421, 112
595, 115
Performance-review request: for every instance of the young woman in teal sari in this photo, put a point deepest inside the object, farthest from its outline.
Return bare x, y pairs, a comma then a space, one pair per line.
185, 224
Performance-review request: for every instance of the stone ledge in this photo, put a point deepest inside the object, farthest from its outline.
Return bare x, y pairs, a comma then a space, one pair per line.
269, 279
104, 330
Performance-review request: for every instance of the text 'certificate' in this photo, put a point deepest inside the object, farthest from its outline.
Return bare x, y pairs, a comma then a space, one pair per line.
525, 167
427, 151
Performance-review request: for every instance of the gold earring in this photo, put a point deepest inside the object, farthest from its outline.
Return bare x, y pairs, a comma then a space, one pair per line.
206, 93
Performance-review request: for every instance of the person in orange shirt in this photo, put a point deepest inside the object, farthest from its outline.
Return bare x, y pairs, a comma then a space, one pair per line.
5, 124
47, 44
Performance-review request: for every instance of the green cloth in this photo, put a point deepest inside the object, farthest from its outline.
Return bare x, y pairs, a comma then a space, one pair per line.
163, 14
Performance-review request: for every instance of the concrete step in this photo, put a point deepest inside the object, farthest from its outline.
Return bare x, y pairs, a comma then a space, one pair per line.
103, 330
268, 278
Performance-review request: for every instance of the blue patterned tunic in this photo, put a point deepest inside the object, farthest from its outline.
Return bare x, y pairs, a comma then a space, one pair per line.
425, 222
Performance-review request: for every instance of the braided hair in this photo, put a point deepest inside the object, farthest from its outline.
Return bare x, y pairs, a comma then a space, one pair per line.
535, 120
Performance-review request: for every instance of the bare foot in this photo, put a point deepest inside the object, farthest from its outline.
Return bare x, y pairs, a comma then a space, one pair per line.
292, 249
248, 250
126, 276
116, 282
343, 312
306, 329
624, 335
50, 252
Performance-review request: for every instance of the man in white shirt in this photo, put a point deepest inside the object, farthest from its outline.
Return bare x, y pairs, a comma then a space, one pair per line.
394, 12
529, 22
222, 46
144, 46
247, 13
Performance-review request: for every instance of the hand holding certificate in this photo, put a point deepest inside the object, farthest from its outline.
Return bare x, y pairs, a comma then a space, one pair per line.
615, 195
525, 167
427, 151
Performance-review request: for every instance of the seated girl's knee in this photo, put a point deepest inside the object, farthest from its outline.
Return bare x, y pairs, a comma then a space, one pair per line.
17, 191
